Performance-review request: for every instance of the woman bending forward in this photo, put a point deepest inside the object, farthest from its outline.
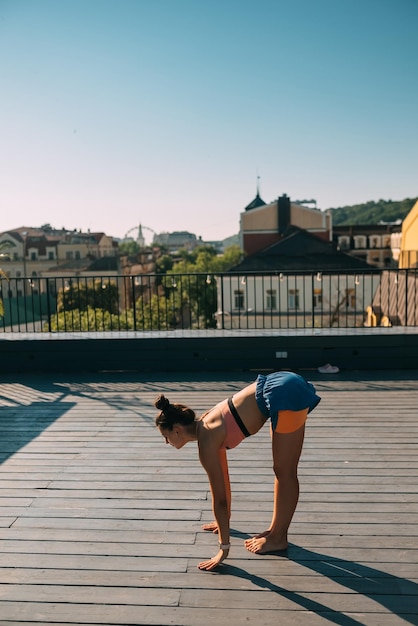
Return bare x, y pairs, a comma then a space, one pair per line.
284, 397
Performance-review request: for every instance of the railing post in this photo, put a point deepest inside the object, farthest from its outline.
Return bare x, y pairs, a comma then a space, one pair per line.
48, 304
406, 295
133, 300
222, 302
312, 301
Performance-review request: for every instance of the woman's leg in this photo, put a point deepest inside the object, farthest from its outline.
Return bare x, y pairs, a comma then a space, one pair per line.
287, 448
275, 508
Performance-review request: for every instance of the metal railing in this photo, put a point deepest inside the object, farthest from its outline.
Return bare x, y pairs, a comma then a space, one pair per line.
258, 300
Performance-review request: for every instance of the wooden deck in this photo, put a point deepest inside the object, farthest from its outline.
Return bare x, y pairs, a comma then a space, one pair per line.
100, 522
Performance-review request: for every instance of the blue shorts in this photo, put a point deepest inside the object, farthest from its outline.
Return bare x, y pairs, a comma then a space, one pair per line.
284, 391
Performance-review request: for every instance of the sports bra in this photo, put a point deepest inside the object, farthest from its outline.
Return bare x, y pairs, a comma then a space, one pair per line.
234, 426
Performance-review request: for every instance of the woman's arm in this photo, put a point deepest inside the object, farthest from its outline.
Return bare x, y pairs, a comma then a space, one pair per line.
213, 526
215, 463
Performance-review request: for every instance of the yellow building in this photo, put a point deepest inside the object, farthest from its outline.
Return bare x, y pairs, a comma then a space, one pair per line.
408, 256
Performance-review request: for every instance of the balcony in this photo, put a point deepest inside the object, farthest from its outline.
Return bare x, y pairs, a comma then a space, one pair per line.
229, 322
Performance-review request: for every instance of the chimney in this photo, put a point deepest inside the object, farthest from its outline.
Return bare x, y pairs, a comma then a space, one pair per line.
283, 213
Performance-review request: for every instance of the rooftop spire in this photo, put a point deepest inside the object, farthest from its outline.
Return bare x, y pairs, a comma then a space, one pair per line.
258, 201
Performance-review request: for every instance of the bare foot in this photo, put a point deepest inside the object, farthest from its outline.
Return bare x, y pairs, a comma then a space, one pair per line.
264, 534
211, 527
265, 544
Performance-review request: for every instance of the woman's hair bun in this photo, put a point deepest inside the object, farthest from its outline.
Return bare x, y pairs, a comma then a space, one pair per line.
161, 403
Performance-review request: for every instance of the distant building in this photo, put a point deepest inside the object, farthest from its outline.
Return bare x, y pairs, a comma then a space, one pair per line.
300, 250
408, 257
219, 245
291, 280
262, 225
30, 252
140, 279
377, 244
177, 240
396, 301
290, 271
31, 256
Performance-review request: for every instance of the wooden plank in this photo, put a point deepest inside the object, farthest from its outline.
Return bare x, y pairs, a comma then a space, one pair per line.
315, 615
75, 561
309, 581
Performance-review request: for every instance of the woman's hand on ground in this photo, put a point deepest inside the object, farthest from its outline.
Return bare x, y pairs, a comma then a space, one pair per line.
214, 561
212, 527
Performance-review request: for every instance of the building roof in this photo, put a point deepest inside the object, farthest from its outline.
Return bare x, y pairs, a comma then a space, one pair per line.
300, 250
366, 229
102, 264
258, 201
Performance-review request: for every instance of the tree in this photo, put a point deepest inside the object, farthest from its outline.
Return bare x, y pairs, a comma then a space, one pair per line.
164, 263
129, 248
193, 283
81, 293
372, 212
154, 314
89, 319
231, 257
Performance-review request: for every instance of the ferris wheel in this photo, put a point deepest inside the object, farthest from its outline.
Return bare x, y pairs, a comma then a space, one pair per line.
138, 229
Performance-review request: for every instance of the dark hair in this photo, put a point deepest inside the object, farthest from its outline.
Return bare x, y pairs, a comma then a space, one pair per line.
172, 414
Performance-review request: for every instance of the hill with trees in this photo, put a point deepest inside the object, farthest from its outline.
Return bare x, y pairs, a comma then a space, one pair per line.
372, 212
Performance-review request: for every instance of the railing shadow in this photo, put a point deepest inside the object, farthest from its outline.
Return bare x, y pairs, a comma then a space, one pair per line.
118, 391
395, 594
35, 403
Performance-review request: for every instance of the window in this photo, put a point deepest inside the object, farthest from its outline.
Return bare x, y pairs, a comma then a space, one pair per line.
271, 299
77, 254
238, 299
33, 256
51, 255
344, 242
317, 298
360, 241
69, 255
293, 298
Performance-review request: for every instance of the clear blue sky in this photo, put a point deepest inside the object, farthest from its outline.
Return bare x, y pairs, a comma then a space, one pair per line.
163, 112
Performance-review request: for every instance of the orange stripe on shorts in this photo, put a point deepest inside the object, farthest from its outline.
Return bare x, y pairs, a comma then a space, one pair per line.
290, 421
